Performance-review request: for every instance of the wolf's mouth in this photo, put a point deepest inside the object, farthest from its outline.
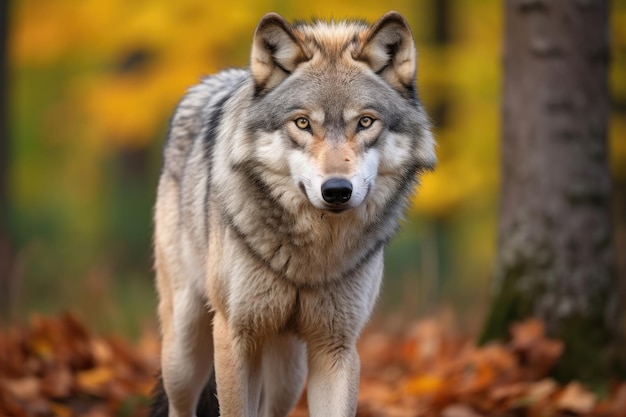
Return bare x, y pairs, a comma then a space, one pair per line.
302, 188
337, 210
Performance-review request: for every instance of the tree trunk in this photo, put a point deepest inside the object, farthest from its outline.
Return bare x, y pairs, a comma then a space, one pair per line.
555, 256
6, 249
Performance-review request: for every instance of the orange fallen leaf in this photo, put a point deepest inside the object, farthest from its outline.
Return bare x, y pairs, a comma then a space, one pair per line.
42, 348
101, 351
27, 388
618, 407
537, 352
57, 383
507, 392
459, 410
424, 385
576, 399
527, 333
98, 411
541, 390
94, 380
60, 410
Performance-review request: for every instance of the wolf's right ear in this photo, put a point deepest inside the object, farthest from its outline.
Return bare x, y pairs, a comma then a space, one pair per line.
276, 52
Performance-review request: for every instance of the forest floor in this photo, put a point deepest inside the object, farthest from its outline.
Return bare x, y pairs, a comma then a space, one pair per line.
59, 367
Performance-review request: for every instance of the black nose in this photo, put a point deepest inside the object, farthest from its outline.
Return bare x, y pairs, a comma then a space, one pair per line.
337, 190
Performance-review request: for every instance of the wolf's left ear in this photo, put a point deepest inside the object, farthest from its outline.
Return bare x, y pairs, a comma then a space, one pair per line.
276, 52
389, 50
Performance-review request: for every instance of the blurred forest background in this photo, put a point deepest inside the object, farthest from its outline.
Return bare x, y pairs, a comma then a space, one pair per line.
92, 84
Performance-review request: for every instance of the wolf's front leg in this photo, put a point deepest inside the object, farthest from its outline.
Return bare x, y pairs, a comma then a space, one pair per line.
237, 371
187, 350
284, 372
333, 380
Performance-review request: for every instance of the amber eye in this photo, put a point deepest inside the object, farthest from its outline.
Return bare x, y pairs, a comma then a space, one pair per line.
365, 122
302, 123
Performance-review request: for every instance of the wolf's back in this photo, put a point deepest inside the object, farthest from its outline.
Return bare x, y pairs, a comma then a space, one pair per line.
197, 118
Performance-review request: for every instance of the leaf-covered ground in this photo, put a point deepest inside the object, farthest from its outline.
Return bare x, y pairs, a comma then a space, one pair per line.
58, 367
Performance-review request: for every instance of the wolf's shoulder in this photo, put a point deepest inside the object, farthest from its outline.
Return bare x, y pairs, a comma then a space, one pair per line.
208, 91
194, 110
224, 80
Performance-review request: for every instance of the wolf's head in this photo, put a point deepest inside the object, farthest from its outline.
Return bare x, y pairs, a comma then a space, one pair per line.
337, 107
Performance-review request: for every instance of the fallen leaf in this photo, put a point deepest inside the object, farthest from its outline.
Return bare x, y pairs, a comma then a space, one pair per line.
42, 348
101, 351
576, 399
541, 390
60, 410
94, 380
424, 384
98, 411
57, 382
378, 392
459, 410
27, 388
525, 334
508, 392
618, 406
9, 406
537, 353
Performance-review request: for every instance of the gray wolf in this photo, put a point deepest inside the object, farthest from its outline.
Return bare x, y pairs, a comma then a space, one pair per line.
281, 186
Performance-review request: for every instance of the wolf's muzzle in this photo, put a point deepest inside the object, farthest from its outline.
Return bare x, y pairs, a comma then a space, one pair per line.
337, 191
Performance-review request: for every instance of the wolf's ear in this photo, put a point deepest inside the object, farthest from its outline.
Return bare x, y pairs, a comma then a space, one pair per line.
389, 50
276, 52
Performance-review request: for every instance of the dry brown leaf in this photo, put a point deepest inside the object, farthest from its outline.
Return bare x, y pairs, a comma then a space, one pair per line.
576, 399
57, 383
42, 348
525, 334
480, 369
459, 410
537, 353
10, 407
501, 361
618, 406
428, 337
378, 392
541, 390
424, 385
544, 356
94, 381
98, 411
27, 388
396, 411
61, 410
101, 351
508, 392
377, 349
